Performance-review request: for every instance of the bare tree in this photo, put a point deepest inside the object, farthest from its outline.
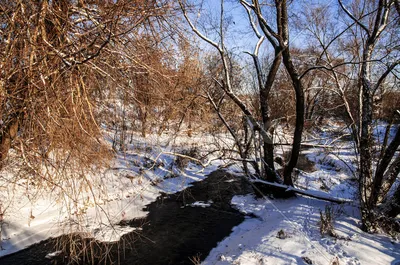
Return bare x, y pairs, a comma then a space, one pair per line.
373, 29
279, 41
368, 62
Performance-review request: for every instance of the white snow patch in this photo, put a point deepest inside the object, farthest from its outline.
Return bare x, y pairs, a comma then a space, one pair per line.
53, 254
201, 204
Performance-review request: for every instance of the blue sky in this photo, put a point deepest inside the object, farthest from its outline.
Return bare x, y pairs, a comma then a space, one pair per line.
239, 33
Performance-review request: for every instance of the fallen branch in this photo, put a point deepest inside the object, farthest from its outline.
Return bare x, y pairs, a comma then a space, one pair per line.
313, 194
318, 146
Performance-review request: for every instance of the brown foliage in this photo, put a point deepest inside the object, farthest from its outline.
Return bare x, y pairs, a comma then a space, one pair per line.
54, 58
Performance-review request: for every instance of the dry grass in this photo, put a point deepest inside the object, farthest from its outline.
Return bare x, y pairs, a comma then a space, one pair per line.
326, 222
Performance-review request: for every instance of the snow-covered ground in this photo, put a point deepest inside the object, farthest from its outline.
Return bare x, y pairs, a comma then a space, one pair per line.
282, 232
29, 214
288, 231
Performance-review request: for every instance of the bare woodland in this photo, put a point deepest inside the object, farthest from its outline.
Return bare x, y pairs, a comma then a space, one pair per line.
69, 69
362, 74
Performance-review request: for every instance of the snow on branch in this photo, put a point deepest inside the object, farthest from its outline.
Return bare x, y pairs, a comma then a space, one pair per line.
312, 194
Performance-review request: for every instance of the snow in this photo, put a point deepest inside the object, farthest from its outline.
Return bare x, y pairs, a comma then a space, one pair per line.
134, 180
313, 194
274, 231
259, 240
255, 241
53, 254
201, 204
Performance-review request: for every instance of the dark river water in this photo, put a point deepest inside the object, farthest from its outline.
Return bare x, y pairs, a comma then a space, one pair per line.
172, 233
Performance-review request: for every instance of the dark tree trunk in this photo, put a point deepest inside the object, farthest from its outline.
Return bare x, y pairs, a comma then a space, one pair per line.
264, 94
392, 206
381, 168
283, 31
298, 87
389, 178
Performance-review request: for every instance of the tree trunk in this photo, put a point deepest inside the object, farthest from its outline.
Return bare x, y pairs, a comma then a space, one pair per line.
392, 206
381, 168
365, 168
299, 90
389, 178
143, 119
264, 94
283, 31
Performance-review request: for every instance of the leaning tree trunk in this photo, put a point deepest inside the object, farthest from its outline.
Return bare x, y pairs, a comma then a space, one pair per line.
391, 207
389, 178
389, 153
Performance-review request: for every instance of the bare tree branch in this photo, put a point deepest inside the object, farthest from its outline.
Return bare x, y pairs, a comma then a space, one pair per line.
354, 18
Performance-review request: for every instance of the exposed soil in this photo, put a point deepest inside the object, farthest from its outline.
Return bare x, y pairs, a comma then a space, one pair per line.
303, 163
172, 233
